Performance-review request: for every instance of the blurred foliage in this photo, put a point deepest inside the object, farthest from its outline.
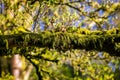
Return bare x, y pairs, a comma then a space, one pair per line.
6, 76
36, 16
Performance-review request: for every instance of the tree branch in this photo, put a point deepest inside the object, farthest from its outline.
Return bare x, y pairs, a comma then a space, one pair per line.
107, 41
40, 77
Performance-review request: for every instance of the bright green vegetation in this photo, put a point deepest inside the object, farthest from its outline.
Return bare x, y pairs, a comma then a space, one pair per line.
60, 39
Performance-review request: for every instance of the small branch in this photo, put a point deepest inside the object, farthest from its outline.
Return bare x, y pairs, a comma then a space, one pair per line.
36, 17
70, 2
37, 69
45, 72
40, 57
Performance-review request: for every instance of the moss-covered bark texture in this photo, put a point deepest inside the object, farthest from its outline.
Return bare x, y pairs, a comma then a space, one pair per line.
108, 41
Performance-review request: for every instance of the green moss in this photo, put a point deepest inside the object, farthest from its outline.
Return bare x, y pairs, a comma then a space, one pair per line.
62, 41
6, 43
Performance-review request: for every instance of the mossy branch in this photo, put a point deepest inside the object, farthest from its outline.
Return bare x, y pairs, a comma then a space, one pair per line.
107, 41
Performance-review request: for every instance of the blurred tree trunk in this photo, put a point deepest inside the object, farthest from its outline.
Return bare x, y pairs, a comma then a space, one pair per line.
16, 66
4, 65
27, 72
18, 70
